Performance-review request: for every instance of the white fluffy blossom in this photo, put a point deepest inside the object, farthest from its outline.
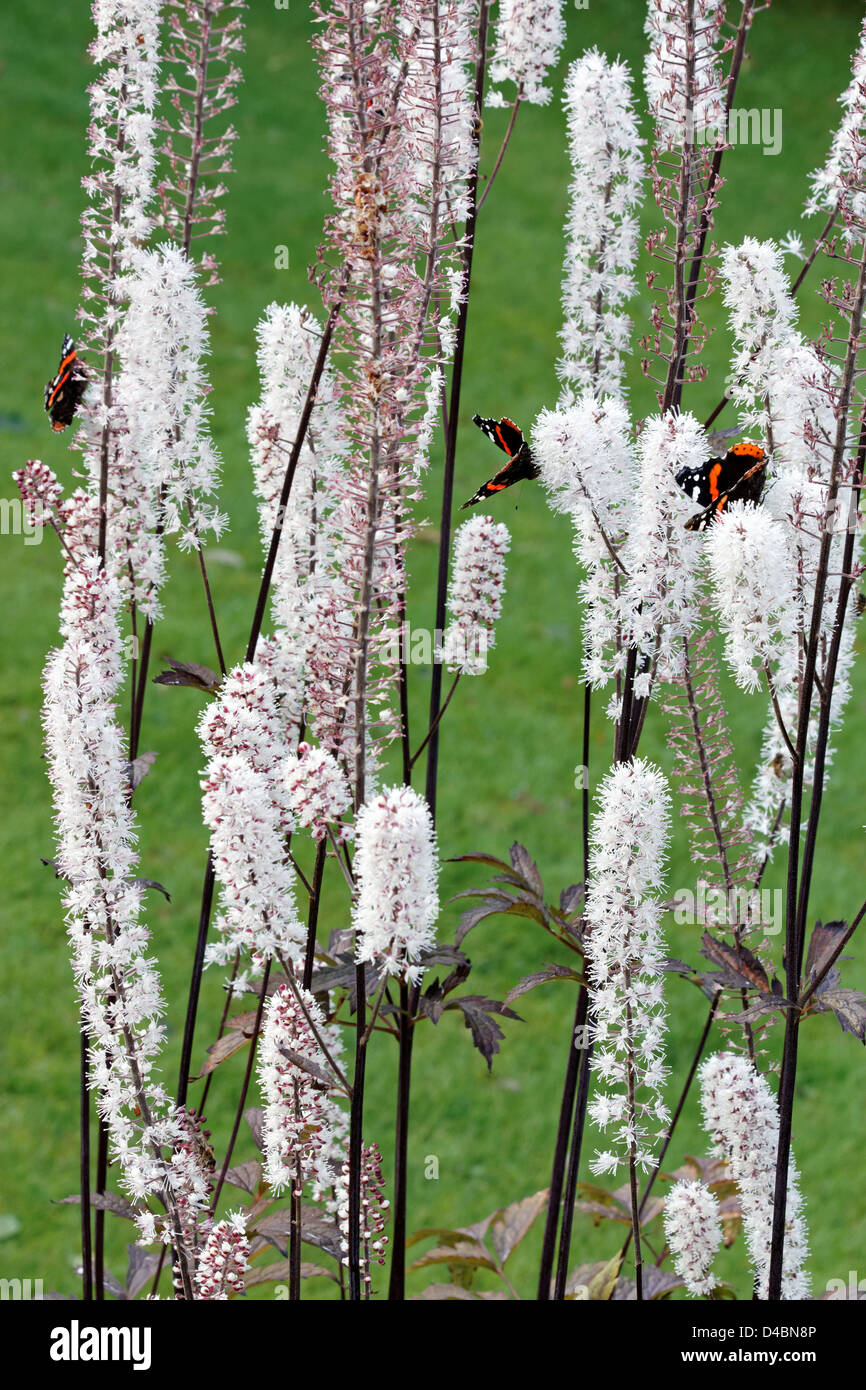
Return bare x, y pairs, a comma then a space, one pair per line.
693, 1231
317, 792
587, 467
602, 226
659, 606
223, 1262
288, 342
624, 953
841, 178
244, 808
165, 455
529, 35
475, 594
117, 980
763, 314
396, 874
681, 114
742, 1118
752, 589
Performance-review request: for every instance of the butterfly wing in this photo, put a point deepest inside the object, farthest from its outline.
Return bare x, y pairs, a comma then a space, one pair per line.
726, 481
64, 391
509, 438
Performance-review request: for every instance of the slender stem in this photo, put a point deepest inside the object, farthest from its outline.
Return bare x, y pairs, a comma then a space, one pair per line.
453, 413
435, 725
84, 1170
225, 1013
632, 1148
295, 1230
560, 1152
503, 147
242, 1099
356, 1138
795, 910
195, 981
99, 1215
396, 1288
313, 911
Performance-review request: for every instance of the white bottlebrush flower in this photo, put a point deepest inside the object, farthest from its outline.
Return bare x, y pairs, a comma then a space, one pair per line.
684, 114
752, 589
288, 342
317, 792
161, 394
529, 35
295, 1126
762, 313
223, 1262
475, 594
396, 874
742, 1118
117, 980
602, 227
587, 466
693, 1231
659, 603
624, 954
244, 808
841, 178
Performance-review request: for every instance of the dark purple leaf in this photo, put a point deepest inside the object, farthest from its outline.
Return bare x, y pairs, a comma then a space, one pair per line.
540, 977
522, 861
189, 673
486, 1033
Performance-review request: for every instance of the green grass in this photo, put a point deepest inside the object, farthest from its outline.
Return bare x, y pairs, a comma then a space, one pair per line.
510, 741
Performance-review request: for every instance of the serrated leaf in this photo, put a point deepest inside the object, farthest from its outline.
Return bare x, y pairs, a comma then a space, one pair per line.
189, 673
522, 861
141, 1269
280, 1272
571, 899
737, 965
488, 859
247, 1176
103, 1201
224, 1047
486, 1033
312, 1069
254, 1117
822, 944
849, 1006
466, 1253
601, 1286
509, 1226
540, 977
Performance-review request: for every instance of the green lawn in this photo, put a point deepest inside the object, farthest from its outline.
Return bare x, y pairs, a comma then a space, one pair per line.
510, 740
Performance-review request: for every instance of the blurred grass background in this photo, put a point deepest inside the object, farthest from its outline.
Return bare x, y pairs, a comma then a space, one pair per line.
510, 741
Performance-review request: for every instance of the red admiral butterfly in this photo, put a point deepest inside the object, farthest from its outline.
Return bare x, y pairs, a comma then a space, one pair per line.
738, 477
63, 394
521, 463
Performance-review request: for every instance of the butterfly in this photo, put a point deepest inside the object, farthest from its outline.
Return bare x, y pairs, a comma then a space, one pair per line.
521, 463
64, 392
739, 476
